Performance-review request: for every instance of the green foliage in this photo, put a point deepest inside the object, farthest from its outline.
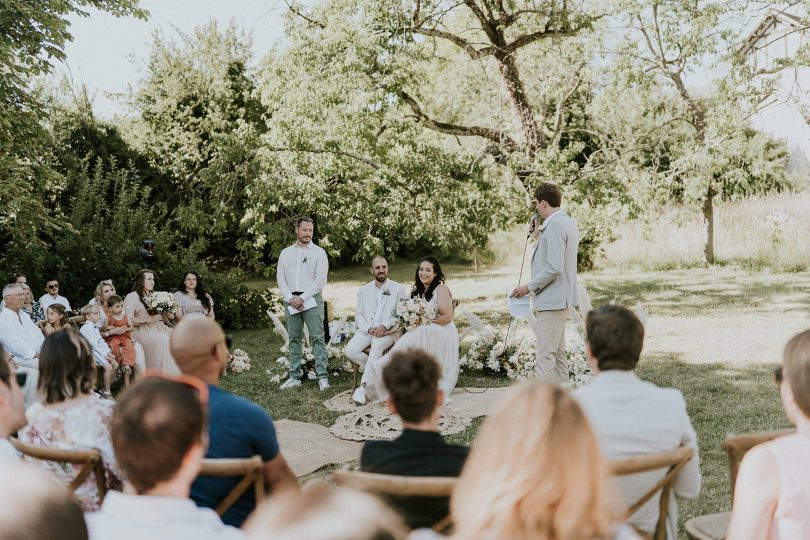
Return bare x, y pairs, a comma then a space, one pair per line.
238, 306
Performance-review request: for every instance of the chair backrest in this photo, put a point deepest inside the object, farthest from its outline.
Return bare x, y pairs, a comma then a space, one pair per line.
89, 459
736, 446
250, 469
673, 461
77, 320
395, 485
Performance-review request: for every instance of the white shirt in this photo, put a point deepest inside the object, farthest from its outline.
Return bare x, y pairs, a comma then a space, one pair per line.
7, 452
91, 333
379, 303
631, 418
302, 269
46, 300
138, 517
19, 335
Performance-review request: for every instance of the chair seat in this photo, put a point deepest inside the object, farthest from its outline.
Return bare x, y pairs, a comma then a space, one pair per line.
708, 527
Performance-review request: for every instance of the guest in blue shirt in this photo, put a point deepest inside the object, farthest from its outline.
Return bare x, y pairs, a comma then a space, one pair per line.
237, 428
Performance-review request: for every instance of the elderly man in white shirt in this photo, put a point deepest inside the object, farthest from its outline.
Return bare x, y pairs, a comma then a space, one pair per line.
631, 417
52, 296
21, 338
376, 321
158, 432
301, 275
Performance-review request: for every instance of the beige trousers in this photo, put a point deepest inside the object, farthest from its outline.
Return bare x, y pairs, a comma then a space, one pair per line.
549, 329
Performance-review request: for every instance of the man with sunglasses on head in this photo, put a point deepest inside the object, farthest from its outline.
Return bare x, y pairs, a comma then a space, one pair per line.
159, 436
52, 296
21, 338
237, 428
12, 408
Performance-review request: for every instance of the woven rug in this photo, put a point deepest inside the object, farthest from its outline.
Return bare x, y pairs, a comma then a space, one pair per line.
308, 447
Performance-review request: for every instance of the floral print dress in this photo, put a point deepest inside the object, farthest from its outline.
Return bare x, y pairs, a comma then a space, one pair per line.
83, 426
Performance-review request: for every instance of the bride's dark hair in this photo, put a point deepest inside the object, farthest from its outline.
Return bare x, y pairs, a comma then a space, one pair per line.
418, 288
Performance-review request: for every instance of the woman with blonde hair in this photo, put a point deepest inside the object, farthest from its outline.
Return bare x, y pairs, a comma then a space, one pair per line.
771, 496
535, 472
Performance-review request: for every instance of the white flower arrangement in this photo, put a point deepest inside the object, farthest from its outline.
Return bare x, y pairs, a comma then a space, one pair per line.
161, 302
414, 312
333, 356
239, 361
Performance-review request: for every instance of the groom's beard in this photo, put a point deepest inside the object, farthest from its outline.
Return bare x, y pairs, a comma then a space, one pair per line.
381, 278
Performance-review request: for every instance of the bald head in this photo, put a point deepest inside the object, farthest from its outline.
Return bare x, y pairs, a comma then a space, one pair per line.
197, 345
34, 506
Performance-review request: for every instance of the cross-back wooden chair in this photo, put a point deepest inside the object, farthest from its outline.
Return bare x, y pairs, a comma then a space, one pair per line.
399, 486
673, 461
714, 526
90, 460
250, 469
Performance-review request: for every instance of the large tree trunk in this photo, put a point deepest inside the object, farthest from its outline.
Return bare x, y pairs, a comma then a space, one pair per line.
708, 227
524, 111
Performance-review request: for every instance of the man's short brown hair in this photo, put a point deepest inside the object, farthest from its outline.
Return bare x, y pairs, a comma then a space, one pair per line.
615, 336
155, 423
412, 378
550, 193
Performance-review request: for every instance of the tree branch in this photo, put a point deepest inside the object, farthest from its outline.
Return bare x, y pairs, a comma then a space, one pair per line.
454, 129
358, 157
295, 10
560, 109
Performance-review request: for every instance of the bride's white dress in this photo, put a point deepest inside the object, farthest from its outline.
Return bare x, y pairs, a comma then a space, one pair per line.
441, 340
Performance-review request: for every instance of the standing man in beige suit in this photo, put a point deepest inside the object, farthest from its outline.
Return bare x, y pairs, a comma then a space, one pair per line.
553, 283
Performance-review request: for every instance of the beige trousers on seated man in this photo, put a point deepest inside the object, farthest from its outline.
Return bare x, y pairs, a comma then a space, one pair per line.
359, 342
549, 328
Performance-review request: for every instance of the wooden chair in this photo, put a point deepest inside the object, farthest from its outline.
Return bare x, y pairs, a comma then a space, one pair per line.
89, 459
399, 486
714, 526
250, 469
77, 320
674, 461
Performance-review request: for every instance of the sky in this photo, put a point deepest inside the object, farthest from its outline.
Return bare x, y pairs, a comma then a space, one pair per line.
107, 53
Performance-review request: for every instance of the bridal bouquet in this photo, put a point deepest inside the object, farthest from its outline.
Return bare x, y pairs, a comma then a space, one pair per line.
239, 361
160, 302
415, 312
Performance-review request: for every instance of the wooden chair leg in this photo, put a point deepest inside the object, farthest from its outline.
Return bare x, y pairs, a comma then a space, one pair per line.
356, 370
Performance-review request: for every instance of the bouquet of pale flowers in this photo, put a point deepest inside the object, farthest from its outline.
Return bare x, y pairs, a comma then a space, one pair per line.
415, 312
239, 361
160, 302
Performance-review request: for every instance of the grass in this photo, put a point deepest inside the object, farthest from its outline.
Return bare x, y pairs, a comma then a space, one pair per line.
736, 395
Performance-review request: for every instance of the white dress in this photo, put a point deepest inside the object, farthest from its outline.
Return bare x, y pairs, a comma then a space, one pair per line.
440, 340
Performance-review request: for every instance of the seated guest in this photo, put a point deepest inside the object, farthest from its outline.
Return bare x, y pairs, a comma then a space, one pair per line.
191, 297
71, 416
104, 290
15, 278
320, 513
158, 432
52, 296
55, 319
535, 472
21, 338
12, 408
771, 496
412, 378
237, 428
34, 507
632, 417
376, 319
102, 354
32, 308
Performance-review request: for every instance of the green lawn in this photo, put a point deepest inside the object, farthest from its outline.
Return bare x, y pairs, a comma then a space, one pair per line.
721, 397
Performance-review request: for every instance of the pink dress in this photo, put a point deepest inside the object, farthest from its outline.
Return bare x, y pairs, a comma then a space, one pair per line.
791, 520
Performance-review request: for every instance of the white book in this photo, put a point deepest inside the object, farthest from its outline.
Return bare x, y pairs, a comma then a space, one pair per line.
308, 304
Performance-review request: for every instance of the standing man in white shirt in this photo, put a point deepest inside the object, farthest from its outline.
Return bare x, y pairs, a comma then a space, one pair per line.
553, 283
52, 296
301, 276
21, 338
376, 320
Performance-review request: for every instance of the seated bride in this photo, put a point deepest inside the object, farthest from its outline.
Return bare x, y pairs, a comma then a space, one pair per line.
439, 338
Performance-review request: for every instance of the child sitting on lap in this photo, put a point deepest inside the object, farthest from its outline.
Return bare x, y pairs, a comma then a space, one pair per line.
101, 351
118, 333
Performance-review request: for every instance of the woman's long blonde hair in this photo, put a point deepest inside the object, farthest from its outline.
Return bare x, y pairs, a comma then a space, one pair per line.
535, 472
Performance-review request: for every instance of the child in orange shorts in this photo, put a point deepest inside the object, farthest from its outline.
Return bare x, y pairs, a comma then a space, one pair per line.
119, 342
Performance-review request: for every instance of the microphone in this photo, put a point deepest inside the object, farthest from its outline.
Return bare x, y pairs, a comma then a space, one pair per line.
533, 224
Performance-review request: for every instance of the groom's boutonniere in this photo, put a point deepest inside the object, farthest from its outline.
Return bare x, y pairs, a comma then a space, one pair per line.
305, 259
386, 292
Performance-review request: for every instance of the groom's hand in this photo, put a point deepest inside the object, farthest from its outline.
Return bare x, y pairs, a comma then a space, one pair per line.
523, 290
297, 303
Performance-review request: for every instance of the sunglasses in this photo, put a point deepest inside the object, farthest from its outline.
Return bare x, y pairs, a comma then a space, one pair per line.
199, 388
53, 286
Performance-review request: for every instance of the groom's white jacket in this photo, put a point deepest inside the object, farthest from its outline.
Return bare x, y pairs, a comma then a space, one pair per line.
366, 302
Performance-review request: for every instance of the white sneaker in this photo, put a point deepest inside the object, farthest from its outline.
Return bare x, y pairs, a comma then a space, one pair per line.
323, 384
290, 383
359, 396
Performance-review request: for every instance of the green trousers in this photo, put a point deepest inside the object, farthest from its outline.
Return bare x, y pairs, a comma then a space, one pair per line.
313, 318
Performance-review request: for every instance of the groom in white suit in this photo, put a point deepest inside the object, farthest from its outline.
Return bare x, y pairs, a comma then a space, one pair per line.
553, 283
376, 319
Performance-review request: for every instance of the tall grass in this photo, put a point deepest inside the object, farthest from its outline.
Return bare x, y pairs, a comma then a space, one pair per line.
769, 231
